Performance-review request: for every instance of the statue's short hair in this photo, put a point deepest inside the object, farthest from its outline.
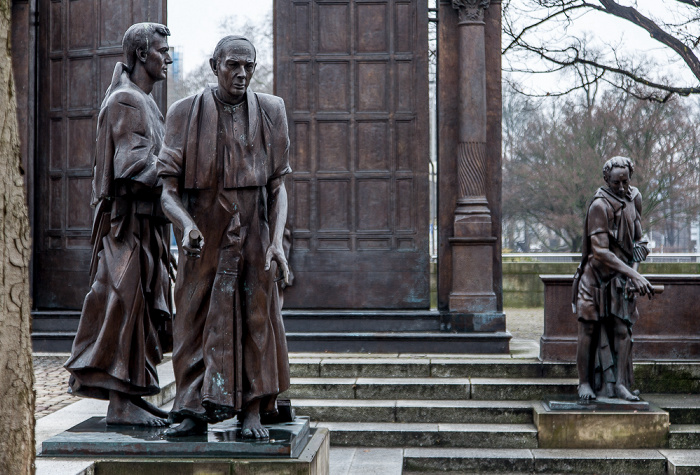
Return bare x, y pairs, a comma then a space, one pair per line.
617, 162
228, 40
139, 35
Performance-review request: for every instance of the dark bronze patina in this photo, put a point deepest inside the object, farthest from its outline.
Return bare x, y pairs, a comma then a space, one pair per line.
117, 346
607, 283
223, 164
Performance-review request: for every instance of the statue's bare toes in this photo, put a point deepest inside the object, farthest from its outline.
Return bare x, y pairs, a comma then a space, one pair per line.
585, 392
247, 433
623, 393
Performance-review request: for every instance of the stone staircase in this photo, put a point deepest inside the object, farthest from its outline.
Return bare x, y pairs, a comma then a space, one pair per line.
472, 413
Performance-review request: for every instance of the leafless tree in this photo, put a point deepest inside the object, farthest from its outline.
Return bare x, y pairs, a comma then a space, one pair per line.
547, 34
553, 159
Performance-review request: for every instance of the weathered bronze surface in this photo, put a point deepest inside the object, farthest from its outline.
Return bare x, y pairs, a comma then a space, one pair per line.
117, 346
607, 283
78, 43
223, 164
354, 77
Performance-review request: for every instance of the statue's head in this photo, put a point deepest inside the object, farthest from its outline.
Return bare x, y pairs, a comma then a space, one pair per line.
617, 173
233, 64
147, 44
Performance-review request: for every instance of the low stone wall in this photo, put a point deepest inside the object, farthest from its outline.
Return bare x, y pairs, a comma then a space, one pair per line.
668, 327
522, 287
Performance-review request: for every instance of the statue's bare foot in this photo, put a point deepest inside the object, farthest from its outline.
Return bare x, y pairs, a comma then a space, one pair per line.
251, 427
156, 411
585, 392
122, 411
624, 393
189, 426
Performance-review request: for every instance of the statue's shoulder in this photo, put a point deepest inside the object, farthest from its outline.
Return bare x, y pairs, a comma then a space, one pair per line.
182, 106
271, 104
126, 95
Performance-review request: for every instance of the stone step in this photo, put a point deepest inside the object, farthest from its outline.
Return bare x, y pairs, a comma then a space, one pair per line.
496, 342
424, 367
430, 388
684, 436
52, 342
470, 460
682, 408
464, 411
388, 434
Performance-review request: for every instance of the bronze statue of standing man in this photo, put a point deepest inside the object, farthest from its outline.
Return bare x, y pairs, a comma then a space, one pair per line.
223, 163
606, 284
117, 346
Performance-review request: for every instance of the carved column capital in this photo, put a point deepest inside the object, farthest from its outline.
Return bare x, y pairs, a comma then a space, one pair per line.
470, 11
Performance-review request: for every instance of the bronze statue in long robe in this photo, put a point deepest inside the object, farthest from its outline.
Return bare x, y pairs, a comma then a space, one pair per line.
117, 346
227, 164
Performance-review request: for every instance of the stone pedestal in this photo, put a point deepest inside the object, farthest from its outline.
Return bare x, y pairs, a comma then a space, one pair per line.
293, 448
593, 428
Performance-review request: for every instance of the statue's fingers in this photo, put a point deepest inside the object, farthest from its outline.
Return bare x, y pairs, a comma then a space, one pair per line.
285, 270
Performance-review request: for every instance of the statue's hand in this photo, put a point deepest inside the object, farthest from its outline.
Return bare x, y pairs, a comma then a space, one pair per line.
276, 253
639, 284
192, 242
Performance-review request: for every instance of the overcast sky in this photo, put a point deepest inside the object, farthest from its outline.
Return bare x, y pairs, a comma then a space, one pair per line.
195, 25
195, 31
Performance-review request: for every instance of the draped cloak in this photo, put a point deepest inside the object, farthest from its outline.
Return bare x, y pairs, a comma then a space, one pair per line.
600, 293
117, 346
229, 342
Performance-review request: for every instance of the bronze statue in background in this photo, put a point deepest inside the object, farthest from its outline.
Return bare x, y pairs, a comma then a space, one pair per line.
117, 346
223, 163
606, 284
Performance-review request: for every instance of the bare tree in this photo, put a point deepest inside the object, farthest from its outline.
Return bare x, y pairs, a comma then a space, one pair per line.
259, 32
547, 33
16, 375
553, 161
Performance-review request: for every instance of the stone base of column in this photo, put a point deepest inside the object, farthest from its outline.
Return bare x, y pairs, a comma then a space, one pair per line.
472, 275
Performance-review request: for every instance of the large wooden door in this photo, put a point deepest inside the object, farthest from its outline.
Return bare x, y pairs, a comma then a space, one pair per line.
79, 42
353, 74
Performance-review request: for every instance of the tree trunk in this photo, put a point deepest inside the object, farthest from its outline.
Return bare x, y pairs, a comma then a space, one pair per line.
16, 375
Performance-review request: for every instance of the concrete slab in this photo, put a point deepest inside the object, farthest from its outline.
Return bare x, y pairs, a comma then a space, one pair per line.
638, 462
375, 367
682, 462
346, 410
468, 460
684, 436
520, 388
341, 460
418, 388
376, 461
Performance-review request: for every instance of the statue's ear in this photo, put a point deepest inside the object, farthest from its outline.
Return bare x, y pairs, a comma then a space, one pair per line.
214, 66
141, 54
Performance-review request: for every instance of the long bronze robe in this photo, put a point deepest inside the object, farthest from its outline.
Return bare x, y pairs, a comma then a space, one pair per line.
229, 341
117, 345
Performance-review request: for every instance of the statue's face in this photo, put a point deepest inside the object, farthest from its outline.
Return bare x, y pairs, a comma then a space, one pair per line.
234, 70
157, 58
619, 181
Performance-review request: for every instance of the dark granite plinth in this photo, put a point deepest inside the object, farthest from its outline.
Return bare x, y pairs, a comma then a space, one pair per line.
95, 438
573, 403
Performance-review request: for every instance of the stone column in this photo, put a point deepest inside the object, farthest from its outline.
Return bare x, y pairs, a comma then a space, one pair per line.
472, 242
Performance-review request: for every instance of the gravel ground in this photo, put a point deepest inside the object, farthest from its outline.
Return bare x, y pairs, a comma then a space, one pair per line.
525, 323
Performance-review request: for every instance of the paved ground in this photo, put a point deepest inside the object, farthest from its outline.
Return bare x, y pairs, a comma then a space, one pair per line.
51, 380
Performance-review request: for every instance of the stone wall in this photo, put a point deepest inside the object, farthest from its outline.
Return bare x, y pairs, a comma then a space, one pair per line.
523, 288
